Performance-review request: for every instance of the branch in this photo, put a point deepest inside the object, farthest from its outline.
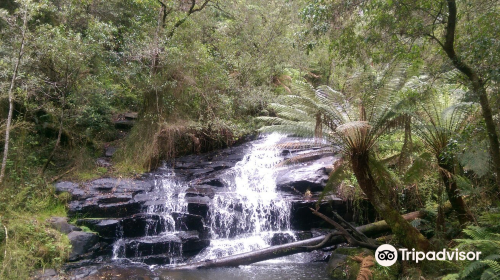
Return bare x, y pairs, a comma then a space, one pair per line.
355, 232
191, 11
322, 243
435, 39
344, 232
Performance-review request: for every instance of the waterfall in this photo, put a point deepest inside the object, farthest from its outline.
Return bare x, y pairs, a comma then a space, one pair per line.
245, 211
247, 214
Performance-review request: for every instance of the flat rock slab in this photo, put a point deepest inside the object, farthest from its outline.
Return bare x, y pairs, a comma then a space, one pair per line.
92, 209
165, 245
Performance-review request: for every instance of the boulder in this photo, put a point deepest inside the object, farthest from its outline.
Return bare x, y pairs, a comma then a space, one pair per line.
61, 224
81, 242
310, 176
281, 238
110, 151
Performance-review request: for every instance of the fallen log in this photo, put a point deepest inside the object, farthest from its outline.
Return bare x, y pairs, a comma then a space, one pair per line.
292, 248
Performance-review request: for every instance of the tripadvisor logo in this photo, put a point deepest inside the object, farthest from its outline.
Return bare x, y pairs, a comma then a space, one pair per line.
387, 255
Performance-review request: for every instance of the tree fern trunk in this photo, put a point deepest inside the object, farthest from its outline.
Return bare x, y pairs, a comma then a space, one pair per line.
410, 236
457, 203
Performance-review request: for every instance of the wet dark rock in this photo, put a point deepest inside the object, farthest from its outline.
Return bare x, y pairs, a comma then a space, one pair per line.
216, 182
302, 218
188, 222
113, 185
115, 198
144, 224
197, 208
192, 242
81, 242
200, 190
157, 245
61, 224
90, 208
104, 227
281, 238
305, 176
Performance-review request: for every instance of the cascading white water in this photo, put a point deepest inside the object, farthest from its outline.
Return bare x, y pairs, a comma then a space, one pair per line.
243, 216
169, 194
246, 215
167, 197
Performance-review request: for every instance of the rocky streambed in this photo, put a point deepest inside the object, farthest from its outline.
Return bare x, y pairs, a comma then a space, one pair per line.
200, 207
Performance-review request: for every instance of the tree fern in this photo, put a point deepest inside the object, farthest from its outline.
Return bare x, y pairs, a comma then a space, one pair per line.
354, 118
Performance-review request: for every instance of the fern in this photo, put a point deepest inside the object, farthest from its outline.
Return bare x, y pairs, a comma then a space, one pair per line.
489, 244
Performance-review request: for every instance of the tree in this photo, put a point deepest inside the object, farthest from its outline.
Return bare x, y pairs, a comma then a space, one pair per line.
356, 123
24, 13
438, 122
464, 31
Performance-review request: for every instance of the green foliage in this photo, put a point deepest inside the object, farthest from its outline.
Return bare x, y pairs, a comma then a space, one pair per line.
488, 243
30, 243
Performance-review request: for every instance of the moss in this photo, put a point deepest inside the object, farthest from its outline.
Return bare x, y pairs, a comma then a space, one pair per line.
386, 272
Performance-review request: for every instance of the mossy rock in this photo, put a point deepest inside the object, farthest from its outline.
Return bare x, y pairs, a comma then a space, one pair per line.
343, 266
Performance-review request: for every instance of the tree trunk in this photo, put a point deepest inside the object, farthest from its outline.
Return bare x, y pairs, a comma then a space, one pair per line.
291, 248
58, 137
404, 157
410, 236
456, 201
11, 97
477, 87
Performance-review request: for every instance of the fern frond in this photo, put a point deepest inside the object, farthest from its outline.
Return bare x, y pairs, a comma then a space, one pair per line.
473, 267
493, 264
490, 274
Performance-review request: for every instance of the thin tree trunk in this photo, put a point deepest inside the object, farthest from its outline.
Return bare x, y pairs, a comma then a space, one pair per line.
410, 236
457, 203
11, 97
404, 157
293, 248
58, 137
477, 87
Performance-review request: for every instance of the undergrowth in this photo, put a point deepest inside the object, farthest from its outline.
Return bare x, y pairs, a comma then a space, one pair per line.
27, 242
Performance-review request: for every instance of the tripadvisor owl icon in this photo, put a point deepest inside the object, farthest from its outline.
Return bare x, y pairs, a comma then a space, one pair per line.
386, 255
